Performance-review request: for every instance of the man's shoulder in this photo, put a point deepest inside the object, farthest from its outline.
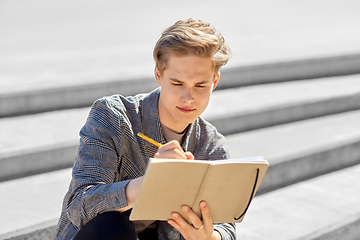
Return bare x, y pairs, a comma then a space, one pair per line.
121, 102
213, 144
208, 129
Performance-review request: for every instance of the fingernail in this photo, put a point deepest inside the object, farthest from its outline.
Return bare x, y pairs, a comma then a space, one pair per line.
203, 205
175, 215
186, 209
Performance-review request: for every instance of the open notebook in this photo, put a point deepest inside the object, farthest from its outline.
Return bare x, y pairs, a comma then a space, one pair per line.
228, 186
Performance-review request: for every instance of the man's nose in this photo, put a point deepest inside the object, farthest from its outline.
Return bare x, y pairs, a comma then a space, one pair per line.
188, 96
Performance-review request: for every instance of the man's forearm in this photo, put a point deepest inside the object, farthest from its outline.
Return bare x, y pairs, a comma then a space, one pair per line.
132, 190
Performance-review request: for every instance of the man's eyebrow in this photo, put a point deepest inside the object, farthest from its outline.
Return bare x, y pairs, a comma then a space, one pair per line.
179, 81
175, 80
203, 82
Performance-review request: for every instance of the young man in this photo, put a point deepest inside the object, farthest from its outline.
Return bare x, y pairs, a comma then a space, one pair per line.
112, 159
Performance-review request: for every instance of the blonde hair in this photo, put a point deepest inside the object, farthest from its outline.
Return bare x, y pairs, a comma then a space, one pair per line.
191, 37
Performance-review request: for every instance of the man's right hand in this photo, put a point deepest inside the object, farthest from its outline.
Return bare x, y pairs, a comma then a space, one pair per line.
170, 150
173, 150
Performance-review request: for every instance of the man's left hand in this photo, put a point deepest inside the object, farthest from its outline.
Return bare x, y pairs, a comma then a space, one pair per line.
198, 229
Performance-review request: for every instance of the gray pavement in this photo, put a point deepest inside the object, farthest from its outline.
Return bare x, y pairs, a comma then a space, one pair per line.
50, 44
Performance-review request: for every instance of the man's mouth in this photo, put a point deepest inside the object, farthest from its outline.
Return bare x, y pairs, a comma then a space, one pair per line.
186, 109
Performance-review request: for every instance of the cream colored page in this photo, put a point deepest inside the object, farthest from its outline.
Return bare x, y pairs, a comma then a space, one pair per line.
228, 189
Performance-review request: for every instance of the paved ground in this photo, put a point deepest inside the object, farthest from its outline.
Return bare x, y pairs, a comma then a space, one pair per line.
47, 43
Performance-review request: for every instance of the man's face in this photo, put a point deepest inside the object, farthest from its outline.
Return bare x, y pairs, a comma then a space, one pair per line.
186, 86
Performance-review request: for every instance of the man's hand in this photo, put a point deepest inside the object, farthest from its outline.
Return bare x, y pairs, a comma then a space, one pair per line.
173, 150
198, 229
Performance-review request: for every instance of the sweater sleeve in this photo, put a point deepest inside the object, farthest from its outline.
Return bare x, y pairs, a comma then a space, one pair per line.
226, 230
93, 190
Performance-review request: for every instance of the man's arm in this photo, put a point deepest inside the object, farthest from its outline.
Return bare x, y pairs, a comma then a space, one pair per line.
170, 150
205, 230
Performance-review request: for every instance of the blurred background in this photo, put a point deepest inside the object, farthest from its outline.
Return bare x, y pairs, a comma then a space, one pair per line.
293, 75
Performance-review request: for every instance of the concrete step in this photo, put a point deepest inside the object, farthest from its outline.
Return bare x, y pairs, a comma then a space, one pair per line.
32, 205
79, 59
323, 206
243, 109
302, 150
39, 143
33, 142
326, 207
75, 95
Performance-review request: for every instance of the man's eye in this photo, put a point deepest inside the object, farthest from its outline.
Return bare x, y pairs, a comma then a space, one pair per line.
200, 86
177, 84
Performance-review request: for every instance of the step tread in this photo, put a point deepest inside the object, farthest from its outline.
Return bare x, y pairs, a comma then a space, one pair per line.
91, 52
304, 137
315, 204
305, 208
32, 200
261, 97
248, 100
60, 67
301, 150
41, 141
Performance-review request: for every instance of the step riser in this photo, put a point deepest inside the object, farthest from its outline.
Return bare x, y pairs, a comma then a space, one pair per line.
290, 71
45, 160
30, 102
14, 104
298, 168
304, 167
44, 231
242, 122
36, 162
349, 230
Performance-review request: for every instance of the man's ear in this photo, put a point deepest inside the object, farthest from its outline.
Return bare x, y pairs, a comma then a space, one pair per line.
157, 75
216, 81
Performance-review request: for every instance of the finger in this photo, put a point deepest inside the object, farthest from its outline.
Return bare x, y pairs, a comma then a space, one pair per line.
172, 154
189, 155
193, 218
181, 225
207, 220
171, 149
171, 145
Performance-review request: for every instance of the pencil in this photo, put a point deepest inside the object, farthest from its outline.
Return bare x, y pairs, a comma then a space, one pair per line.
149, 140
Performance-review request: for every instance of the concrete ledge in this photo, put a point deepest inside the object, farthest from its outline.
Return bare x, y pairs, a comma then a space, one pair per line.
256, 107
290, 70
302, 150
33, 205
37, 160
27, 102
320, 208
325, 205
243, 109
346, 229
41, 231
317, 149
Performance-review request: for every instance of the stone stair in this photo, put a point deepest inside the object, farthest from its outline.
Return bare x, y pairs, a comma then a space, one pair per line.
297, 104
307, 129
